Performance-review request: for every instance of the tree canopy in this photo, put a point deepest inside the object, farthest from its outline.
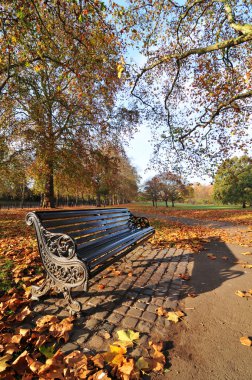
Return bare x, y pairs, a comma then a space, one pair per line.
233, 181
195, 87
59, 86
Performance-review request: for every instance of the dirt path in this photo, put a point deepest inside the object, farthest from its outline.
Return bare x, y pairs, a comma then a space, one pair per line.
207, 345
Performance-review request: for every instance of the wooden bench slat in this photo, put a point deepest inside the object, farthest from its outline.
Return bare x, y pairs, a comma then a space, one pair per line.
83, 227
103, 240
101, 231
63, 222
48, 215
90, 255
99, 256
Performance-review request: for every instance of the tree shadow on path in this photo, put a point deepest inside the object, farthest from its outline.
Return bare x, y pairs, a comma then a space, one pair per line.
212, 266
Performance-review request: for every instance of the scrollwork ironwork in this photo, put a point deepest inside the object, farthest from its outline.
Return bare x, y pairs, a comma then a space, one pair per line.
138, 222
64, 270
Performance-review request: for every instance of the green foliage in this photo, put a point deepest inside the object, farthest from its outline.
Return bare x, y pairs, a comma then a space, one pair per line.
233, 181
5, 274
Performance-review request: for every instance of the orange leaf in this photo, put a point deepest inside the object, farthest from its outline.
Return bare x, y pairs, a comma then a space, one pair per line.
246, 341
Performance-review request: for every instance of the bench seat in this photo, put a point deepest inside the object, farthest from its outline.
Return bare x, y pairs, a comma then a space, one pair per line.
75, 245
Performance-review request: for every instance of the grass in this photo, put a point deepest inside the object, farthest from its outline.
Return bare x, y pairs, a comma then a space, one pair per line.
188, 206
5, 274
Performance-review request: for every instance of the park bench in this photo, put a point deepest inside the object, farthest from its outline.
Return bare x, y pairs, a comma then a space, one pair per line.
75, 245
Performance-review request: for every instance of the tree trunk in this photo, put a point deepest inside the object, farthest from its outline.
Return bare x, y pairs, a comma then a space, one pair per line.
153, 202
243, 204
173, 204
166, 203
49, 200
98, 199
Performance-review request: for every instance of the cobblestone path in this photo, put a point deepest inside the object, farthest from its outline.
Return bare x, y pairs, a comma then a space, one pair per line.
125, 296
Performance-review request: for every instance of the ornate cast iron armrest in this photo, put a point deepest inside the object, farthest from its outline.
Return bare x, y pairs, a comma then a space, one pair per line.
138, 222
64, 270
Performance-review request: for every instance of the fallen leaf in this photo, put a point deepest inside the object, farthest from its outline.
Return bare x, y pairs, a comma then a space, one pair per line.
246, 341
142, 363
157, 346
175, 316
127, 336
100, 286
127, 367
246, 253
240, 293
211, 256
192, 295
100, 375
225, 258
3, 362
161, 311
117, 349
98, 360
185, 277
249, 266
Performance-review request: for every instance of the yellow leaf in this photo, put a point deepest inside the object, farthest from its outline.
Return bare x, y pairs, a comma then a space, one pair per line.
3, 360
172, 316
120, 69
117, 349
246, 253
175, 316
246, 341
127, 336
239, 293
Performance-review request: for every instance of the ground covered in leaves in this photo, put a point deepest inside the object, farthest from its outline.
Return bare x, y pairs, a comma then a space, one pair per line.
30, 347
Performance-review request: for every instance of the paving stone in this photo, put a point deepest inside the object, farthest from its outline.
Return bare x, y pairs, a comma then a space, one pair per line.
169, 303
51, 309
115, 318
108, 327
148, 292
96, 343
101, 315
144, 327
149, 317
121, 309
64, 313
146, 299
91, 323
69, 347
128, 303
83, 337
140, 305
152, 308
39, 308
133, 312
129, 322
157, 300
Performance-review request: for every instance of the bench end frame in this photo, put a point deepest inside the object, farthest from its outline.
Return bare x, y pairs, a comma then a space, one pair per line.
64, 270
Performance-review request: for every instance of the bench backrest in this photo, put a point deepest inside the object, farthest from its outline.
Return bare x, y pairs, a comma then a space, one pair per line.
85, 226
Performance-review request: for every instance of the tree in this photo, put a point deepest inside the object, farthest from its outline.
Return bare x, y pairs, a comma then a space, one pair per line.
152, 190
66, 33
59, 81
195, 86
233, 181
172, 188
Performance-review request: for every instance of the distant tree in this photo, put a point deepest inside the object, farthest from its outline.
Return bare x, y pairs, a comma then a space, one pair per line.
202, 193
233, 181
172, 187
152, 190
